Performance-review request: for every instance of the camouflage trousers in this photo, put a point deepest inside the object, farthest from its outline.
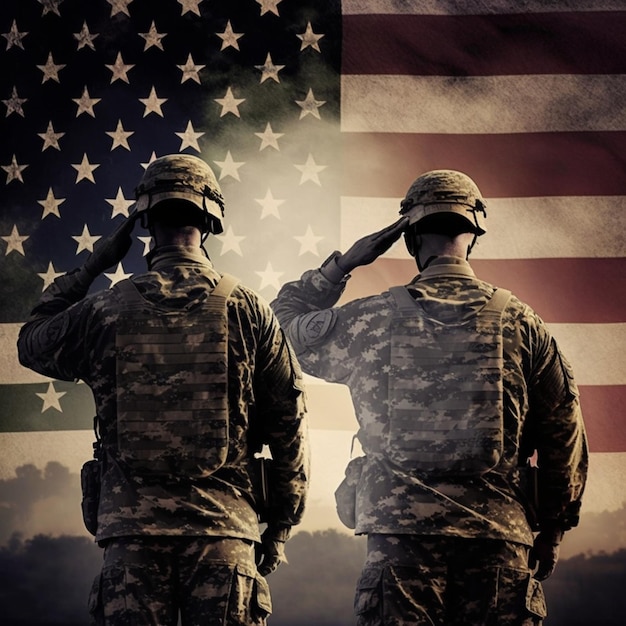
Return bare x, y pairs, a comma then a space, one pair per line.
148, 581
446, 581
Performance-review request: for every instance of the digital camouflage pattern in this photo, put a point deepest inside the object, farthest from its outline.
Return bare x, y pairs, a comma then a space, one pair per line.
351, 344
172, 384
71, 335
445, 191
218, 583
444, 581
184, 177
445, 389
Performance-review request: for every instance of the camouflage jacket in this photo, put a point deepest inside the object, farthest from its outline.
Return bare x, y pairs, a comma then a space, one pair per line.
350, 344
71, 335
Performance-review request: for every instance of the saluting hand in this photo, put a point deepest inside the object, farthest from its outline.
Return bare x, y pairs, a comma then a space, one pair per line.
112, 249
369, 248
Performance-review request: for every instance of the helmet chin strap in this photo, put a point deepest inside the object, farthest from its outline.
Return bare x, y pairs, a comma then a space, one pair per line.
416, 244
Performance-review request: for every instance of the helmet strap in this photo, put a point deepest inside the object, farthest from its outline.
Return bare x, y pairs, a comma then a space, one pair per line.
471, 246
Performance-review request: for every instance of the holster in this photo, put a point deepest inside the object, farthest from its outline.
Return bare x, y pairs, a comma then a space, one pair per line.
261, 468
345, 494
90, 485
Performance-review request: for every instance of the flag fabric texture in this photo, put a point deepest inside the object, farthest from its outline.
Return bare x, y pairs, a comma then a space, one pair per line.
316, 118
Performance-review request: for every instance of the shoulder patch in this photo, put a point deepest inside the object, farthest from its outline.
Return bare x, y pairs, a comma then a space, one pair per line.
310, 329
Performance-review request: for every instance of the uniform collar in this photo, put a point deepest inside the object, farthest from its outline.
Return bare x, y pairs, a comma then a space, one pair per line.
447, 265
166, 256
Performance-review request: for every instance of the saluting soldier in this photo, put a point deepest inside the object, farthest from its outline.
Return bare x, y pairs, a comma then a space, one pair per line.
191, 376
455, 384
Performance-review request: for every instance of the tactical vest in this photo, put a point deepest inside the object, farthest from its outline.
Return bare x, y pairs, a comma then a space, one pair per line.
172, 383
445, 389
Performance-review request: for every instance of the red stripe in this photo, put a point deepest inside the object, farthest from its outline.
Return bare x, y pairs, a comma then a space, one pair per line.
603, 410
506, 165
575, 290
484, 45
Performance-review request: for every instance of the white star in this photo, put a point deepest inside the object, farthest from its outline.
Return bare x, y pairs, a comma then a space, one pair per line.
230, 241
269, 205
269, 138
14, 37
269, 70
153, 156
190, 6
14, 103
51, 204
118, 275
85, 103
120, 204
308, 242
51, 398
269, 5
310, 105
309, 38
119, 69
229, 103
50, 69
190, 70
85, 169
310, 170
153, 38
50, 6
15, 241
270, 277
50, 138
119, 6
14, 171
229, 38
146, 241
189, 138
85, 38
48, 276
85, 240
120, 136
229, 167
153, 103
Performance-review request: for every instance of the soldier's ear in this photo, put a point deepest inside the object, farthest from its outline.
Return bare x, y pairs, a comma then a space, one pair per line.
412, 242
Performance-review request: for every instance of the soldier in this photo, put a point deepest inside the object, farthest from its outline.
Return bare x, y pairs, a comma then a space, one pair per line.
455, 384
191, 376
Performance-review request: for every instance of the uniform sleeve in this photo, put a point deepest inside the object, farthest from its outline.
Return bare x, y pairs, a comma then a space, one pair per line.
305, 310
558, 434
49, 342
280, 407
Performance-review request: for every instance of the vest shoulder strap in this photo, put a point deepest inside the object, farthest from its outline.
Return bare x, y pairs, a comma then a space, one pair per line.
225, 286
404, 300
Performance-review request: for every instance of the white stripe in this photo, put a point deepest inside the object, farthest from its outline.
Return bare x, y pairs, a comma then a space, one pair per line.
474, 7
11, 372
595, 351
518, 228
482, 104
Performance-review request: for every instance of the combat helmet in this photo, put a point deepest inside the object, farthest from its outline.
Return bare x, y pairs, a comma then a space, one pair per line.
445, 191
183, 177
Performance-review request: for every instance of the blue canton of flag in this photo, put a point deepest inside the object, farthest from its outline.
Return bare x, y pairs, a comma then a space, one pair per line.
93, 91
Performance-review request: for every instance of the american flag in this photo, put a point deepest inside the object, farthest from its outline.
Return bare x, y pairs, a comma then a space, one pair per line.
316, 117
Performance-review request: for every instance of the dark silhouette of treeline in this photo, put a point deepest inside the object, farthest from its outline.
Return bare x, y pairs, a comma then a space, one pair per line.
45, 581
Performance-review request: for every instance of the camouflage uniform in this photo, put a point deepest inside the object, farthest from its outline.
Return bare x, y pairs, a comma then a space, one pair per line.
201, 520
402, 509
